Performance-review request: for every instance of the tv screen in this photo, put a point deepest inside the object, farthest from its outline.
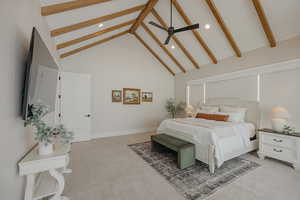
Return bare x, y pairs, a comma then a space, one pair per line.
41, 76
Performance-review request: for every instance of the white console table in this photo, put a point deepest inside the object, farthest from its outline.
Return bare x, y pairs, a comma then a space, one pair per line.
44, 174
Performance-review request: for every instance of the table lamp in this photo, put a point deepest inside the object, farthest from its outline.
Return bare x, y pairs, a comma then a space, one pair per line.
280, 117
189, 110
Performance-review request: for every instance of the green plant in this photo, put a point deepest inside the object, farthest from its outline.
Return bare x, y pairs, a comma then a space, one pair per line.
172, 108
45, 133
287, 129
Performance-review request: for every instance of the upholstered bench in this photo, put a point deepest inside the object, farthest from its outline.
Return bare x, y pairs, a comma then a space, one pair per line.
185, 150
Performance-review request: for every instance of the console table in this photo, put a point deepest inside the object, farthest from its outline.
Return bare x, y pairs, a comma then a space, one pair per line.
44, 174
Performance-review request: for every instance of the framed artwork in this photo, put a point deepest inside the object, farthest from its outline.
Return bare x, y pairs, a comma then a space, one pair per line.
131, 96
116, 96
147, 96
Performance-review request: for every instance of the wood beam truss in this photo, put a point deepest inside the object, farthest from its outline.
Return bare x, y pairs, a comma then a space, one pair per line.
153, 53
223, 26
195, 32
62, 7
264, 22
143, 15
93, 35
177, 41
94, 21
163, 47
93, 44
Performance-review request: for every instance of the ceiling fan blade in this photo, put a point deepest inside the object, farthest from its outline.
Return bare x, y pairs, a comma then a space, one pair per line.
168, 39
158, 26
187, 28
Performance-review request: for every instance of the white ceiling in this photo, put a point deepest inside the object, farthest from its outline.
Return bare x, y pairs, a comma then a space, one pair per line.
239, 15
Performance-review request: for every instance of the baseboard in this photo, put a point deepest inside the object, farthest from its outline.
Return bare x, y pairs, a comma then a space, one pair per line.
124, 132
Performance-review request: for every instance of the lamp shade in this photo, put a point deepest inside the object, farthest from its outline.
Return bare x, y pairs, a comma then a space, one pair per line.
280, 113
189, 108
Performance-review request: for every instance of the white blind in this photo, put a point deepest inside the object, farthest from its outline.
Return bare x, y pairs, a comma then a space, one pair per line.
281, 89
196, 94
243, 87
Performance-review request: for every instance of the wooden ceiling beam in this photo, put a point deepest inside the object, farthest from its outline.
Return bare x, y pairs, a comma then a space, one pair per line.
93, 35
143, 15
195, 32
93, 44
163, 47
153, 53
223, 26
71, 5
66, 29
177, 41
264, 22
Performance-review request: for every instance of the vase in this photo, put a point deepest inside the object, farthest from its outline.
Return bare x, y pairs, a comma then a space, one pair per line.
45, 149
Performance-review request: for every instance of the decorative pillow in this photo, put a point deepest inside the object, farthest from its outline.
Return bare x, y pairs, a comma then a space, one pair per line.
215, 117
210, 108
233, 117
238, 114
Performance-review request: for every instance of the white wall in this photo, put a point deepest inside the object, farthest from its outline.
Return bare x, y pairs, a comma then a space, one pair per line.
123, 63
17, 20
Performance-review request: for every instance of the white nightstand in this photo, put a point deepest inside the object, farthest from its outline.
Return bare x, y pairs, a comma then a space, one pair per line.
280, 146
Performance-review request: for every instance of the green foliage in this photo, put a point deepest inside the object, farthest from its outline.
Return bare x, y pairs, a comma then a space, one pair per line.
45, 133
172, 108
288, 129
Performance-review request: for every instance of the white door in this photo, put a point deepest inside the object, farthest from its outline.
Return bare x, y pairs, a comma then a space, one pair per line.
76, 104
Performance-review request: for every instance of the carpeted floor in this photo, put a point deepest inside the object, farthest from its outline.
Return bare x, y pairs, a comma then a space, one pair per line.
108, 169
194, 182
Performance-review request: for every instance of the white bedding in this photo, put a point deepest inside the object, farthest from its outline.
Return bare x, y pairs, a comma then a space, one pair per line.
227, 137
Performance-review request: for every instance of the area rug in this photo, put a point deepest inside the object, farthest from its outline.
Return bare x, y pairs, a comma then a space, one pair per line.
194, 182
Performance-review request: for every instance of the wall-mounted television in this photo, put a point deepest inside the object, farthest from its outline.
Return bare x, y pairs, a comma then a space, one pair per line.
41, 76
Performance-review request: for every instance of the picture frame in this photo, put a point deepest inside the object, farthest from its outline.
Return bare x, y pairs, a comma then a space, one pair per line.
131, 96
116, 96
147, 96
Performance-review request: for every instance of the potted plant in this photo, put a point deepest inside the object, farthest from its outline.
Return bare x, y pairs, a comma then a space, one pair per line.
45, 134
172, 108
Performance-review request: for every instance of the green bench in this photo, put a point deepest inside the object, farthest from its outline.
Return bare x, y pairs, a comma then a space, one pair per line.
185, 150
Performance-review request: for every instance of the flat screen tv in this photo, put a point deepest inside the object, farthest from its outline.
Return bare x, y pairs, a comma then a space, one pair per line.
41, 76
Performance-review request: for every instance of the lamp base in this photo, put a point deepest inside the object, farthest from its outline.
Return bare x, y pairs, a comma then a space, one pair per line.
278, 124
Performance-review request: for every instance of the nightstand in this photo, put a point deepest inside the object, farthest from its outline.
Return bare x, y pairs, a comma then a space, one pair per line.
280, 146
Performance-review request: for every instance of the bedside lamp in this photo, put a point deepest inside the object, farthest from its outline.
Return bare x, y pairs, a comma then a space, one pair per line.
280, 117
189, 110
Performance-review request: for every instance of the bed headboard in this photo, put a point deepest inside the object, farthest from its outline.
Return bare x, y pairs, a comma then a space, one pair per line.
253, 108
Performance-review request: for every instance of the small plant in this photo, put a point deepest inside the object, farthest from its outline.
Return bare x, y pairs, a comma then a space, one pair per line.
287, 129
172, 108
44, 133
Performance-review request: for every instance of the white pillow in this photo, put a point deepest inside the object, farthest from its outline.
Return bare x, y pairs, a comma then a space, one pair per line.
209, 109
233, 117
239, 113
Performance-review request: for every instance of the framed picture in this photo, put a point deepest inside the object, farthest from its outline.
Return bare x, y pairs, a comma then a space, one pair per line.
131, 96
116, 96
147, 96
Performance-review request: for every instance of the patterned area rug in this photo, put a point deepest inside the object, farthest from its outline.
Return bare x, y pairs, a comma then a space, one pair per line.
194, 182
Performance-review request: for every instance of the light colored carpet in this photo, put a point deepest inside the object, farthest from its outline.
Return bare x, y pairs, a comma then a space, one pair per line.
106, 169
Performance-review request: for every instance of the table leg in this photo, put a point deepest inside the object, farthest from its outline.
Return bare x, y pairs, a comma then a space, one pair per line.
60, 185
29, 187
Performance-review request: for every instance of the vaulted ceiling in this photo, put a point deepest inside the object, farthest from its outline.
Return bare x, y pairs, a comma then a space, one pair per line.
236, 26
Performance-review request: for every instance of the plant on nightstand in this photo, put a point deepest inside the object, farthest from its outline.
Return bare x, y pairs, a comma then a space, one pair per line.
287, 129
45, 134
172, 108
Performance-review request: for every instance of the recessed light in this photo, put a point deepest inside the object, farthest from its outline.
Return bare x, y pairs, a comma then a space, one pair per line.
100, 25
207, 26
173, 47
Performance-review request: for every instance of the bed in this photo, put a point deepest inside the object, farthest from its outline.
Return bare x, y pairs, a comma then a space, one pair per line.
215, 141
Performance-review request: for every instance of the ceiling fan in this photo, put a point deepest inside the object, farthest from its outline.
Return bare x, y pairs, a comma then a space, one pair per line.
171, 30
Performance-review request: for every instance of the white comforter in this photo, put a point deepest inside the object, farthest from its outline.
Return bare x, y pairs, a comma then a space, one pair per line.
227, 137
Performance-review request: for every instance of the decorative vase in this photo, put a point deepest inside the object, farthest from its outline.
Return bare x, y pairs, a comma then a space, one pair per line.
45, 149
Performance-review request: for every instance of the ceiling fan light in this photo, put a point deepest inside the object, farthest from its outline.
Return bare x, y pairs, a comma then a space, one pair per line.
173, 47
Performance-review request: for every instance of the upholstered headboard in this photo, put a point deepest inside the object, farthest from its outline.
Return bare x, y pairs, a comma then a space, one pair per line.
253, 108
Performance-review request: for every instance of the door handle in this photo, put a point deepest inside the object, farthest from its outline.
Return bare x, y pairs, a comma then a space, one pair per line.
88, 115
